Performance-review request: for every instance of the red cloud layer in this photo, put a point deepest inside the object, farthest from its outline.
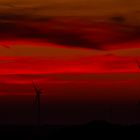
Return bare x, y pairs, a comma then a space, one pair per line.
94, 64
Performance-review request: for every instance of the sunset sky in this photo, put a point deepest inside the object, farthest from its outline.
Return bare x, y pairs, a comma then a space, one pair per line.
82, 53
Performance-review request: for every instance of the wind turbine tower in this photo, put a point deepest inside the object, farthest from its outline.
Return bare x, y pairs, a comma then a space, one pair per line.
38, 92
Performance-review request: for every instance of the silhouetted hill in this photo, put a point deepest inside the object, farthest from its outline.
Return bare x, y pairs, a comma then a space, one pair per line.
91, 130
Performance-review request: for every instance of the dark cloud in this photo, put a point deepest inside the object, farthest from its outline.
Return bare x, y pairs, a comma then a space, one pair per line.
23, 17
118, 19
71, 39
68, 33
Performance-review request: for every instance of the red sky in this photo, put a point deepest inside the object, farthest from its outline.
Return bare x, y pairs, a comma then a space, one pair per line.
77, 61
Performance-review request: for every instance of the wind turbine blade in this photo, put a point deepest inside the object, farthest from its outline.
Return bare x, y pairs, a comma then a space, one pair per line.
138, 63
35, 88
5, 46
37, 102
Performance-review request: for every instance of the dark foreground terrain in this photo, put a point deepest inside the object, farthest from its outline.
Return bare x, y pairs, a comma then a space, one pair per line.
92, 130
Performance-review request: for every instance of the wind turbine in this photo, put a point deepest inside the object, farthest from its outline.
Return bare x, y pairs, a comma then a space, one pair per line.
38, 92
138, 63
110, 111
5, 46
